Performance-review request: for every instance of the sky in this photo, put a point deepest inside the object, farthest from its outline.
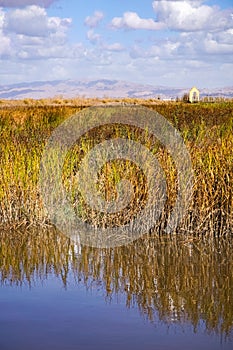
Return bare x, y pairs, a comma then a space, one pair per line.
176, 43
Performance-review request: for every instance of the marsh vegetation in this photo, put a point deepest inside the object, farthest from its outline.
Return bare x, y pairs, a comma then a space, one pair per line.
207, 130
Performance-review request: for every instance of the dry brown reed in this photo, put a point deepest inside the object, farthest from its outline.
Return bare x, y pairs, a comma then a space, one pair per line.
207, 130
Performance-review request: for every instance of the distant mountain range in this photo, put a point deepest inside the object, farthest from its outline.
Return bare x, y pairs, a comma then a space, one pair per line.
100, 88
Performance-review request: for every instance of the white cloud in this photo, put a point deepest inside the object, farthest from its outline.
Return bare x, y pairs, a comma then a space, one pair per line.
209, 46
93, 37
213, 46
131, 20
33, 21
29, 33
5, 47
179, 15
114, 47
94, 20
188, 46
167, 50
225, 37
192, 16
2, 19
101, 45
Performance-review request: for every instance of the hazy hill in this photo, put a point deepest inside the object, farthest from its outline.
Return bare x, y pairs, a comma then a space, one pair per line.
99, 88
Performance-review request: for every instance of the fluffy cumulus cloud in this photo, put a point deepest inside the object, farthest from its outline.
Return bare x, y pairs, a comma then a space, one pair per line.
219, 45
131, 20
196, 30
201, 47
22, 3
94, 20
179, 15
185, 15
29, 33
33, 21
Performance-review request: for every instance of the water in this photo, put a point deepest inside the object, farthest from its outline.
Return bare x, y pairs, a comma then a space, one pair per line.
154, 294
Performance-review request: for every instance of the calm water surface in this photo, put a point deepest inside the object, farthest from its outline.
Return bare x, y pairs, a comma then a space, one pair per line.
158, 293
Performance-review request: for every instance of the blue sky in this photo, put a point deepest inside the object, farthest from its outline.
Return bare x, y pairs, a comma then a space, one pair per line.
176, 43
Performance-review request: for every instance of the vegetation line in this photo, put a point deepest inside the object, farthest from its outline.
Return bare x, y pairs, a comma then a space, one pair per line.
207, 130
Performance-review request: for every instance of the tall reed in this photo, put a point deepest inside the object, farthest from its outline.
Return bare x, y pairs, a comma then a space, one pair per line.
207, 130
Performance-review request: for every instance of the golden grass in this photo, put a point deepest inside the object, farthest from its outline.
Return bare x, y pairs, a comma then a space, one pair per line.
207, 130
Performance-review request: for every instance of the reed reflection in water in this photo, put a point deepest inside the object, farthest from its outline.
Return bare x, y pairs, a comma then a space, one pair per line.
176, 279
